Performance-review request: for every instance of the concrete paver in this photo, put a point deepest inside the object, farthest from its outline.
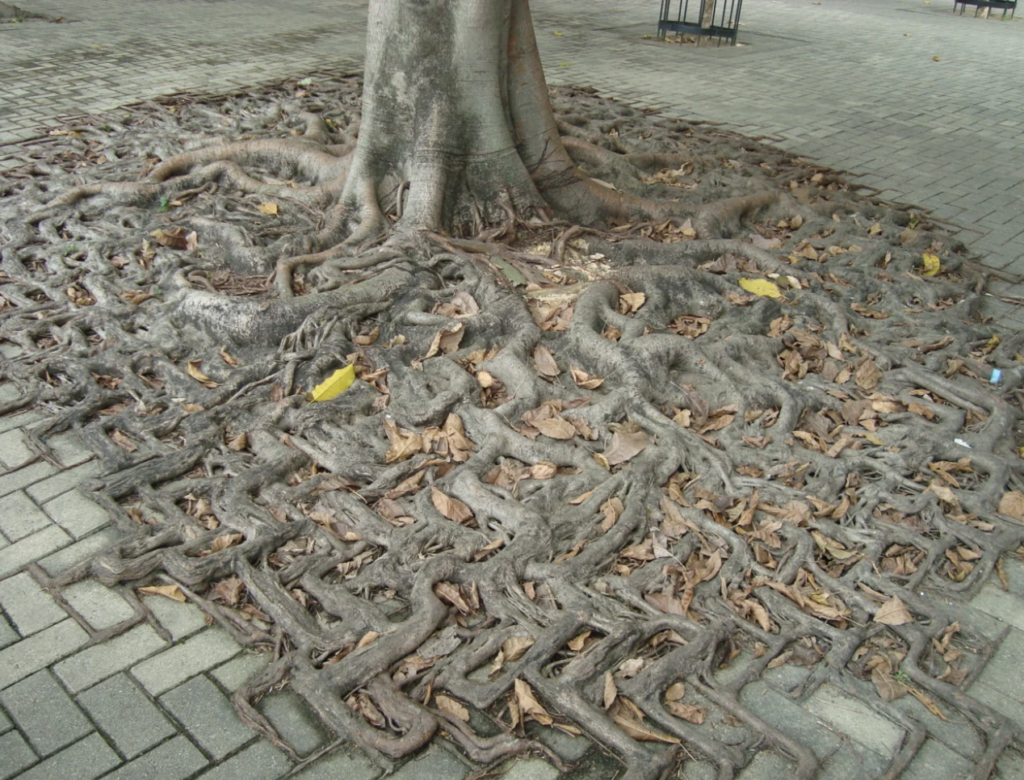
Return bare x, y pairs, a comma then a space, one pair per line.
126, 715
44, 713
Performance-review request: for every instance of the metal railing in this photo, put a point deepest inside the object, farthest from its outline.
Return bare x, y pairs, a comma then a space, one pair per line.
718, 19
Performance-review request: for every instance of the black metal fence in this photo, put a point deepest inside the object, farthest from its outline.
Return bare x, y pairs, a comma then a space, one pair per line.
718, 19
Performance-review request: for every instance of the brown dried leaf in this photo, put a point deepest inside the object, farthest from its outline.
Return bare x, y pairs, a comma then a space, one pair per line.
1012, 504
452, 508
447, 340
529, 705
629, 303
888, 687
450, 593
199, 376
635, 728
269, 208
666, 603
239, 442
173, 238
543, 470
404, 444
611, 692
545, 363
515, 647
691, 713
585, 380
226, 540
868, 375
172, 592
555, 428
121, 440
893, 613
625, 446
229, 591
452, 707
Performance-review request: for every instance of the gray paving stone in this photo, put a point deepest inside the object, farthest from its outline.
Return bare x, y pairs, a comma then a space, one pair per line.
174, 760
88, 667
126, 715
262, 761
180, 619
339, 764
45, 713
51, 487
76, 514
436, 763
1000, 684
532, 769
84, 760
856, 720
31, 548
29, 607
853, 762
1006, 607
38, 651
20, 517
69, 449
19, 420
176, 664
24, 477
101, 606
208, 717
935, 761
5, 722
13, 450
78, 552
15, 754
767, 765
788, 717
8, 635
294, 721
237, 671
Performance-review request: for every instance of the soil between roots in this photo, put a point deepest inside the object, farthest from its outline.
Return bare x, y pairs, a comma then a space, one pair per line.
585, 480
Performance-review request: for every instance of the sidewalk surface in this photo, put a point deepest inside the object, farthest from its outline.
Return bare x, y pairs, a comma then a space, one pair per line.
928, 106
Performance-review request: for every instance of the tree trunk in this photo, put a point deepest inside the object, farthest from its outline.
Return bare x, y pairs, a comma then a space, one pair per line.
456, 119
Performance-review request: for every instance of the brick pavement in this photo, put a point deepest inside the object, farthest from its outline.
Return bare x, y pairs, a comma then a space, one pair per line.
852, 84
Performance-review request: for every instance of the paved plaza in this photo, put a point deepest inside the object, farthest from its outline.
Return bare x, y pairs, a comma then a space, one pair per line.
925, 106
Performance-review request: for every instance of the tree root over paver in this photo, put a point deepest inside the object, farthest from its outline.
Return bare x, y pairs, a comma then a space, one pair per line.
585, 477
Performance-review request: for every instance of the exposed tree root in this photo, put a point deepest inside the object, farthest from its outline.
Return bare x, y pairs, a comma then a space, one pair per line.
584, 476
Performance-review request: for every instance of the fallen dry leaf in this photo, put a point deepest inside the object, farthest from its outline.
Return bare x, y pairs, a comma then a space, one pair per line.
893, 613
625, 446
529, 705
544, 362
452, 508
172, 592
452, 707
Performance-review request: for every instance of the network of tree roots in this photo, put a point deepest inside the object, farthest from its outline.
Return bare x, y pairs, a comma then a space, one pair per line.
590, 478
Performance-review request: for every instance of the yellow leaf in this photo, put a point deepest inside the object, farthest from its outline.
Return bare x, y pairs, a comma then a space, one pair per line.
336, 384
268, 208
932, 264
936, 58
761, 287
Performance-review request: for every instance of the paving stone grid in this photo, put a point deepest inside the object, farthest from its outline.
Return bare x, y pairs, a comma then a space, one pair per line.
852, 84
